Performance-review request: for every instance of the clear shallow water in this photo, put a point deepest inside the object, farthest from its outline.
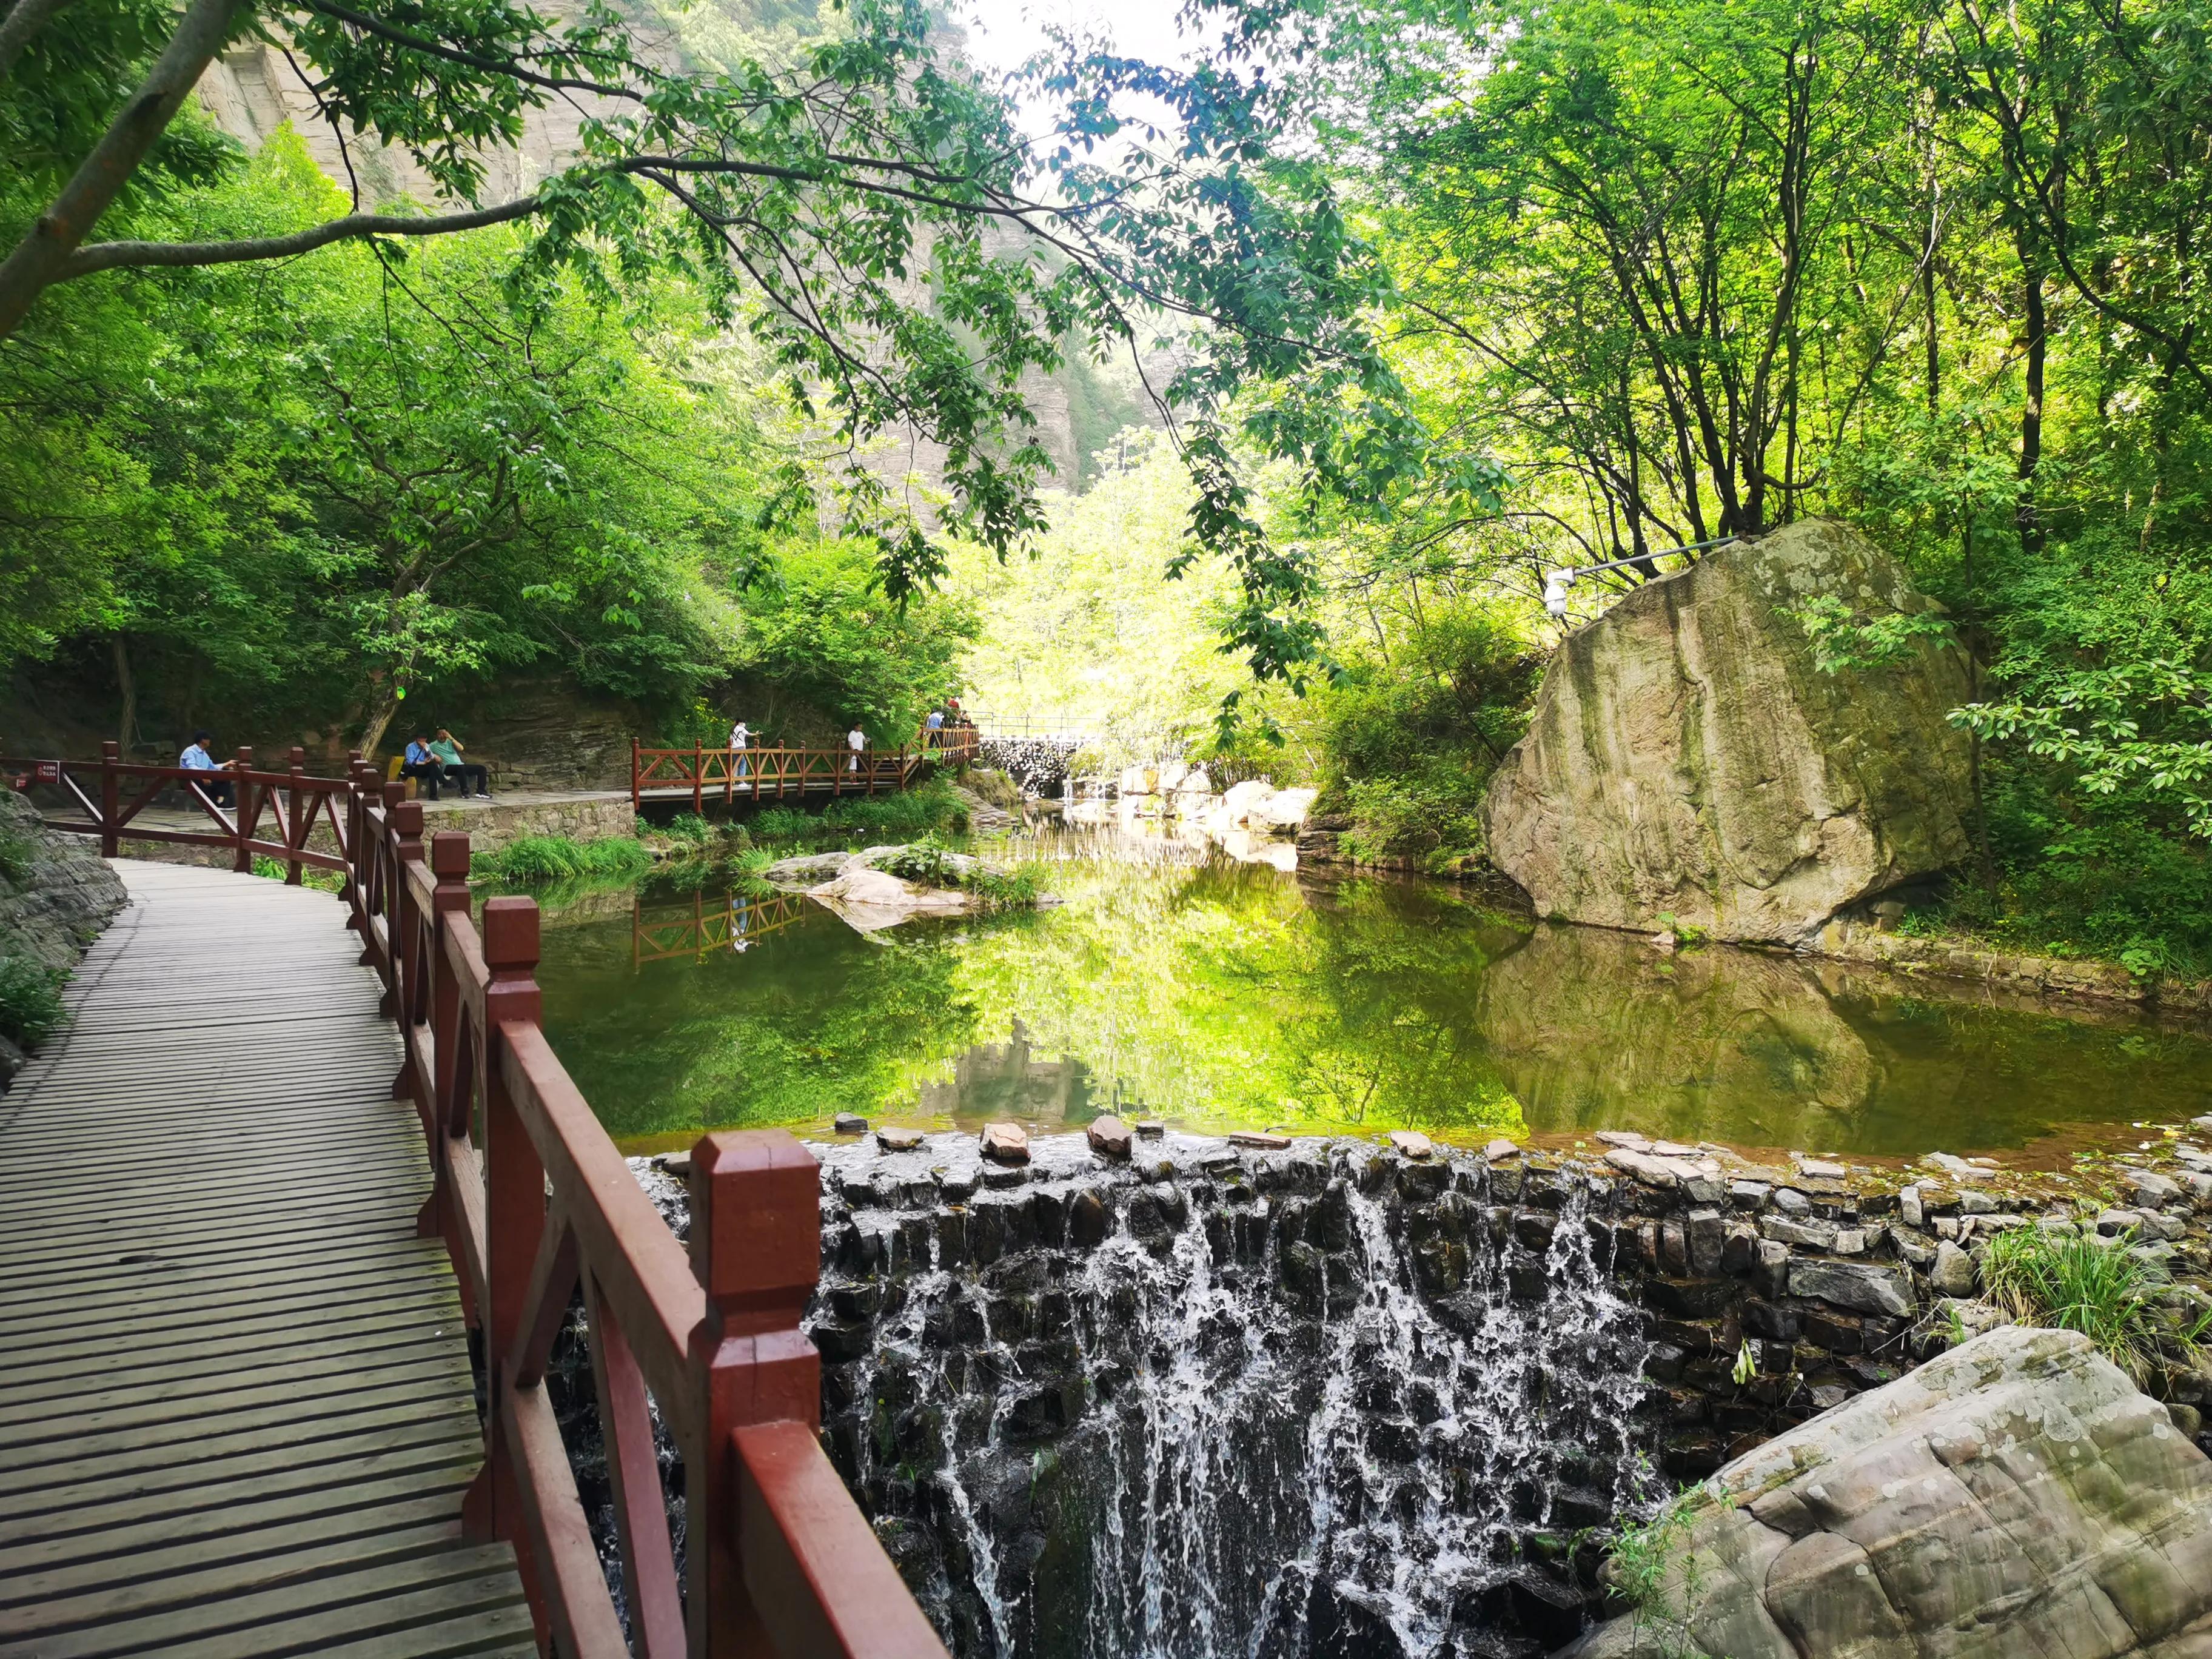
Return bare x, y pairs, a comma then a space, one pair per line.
1219, 996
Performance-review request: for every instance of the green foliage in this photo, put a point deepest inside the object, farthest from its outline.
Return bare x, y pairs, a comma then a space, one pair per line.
906, 255
930, 863
1650, 1567
1845, 642
31, 1008
320, 881
532, 859
2081, 1283
1412, 729
689, 827
18, 855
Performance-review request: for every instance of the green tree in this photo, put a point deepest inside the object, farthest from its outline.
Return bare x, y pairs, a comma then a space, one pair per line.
868, 209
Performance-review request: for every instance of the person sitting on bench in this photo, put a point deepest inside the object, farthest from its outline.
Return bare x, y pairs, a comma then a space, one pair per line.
447, 749
195, 758
422, 765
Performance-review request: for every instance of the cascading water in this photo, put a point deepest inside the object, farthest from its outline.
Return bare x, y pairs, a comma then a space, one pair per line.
1266, 1405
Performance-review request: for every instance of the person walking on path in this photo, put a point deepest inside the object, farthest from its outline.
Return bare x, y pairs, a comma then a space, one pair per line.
741, 739
422, 765
856, 740
195, 758
447, 749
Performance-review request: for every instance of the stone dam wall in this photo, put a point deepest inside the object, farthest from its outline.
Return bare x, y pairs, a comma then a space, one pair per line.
1328, 1398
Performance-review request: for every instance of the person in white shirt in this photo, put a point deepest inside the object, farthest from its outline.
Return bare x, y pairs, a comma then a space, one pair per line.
741, 739
856, 740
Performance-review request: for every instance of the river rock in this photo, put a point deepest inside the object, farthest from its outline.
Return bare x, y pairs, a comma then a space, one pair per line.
1411, 1143
869, 900
1858, 1285
1109, 1136
849, 1123
893, 1139
1951, 1272
1286, 810
1687, 757
1005, 1143
808, 870
2014, 1496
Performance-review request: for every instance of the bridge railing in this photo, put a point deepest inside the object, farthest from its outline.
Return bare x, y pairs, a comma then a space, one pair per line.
537, 1208
775, 773
271, 815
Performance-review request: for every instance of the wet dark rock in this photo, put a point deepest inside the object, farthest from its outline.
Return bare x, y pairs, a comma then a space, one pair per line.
1087, 1220
1689, 1298
849, 1123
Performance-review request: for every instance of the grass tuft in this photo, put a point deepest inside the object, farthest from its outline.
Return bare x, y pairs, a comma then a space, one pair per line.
2080, 1283
532, 859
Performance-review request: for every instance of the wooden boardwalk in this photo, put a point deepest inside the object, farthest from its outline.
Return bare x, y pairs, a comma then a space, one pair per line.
236, 1413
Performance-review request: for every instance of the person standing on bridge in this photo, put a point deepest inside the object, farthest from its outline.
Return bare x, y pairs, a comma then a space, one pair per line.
856, 740
741, 739
931, 727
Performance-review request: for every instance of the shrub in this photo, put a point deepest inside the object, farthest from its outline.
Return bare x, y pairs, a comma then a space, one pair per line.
932, 807
31, 1008
690, 827
531, 859
2080, 1283
16, 854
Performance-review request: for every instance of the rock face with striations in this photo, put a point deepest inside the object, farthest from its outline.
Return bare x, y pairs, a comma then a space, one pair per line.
56, 892
1687, 757
2015, 1495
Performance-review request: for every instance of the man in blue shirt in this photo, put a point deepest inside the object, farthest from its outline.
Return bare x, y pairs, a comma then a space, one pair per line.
195, 758
933, 725
419, 763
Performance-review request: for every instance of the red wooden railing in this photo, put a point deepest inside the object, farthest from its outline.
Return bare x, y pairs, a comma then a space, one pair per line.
293, 805
774, 772
535, 1206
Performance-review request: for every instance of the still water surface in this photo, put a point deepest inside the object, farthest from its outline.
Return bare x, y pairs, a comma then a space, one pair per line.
1217, 995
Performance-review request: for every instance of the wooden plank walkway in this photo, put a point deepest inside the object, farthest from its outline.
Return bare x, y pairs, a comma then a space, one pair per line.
236, 1413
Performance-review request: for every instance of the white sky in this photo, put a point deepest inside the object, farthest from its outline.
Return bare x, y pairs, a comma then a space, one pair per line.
1004, 33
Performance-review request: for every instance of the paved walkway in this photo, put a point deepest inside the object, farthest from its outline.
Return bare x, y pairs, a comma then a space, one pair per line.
235, 1406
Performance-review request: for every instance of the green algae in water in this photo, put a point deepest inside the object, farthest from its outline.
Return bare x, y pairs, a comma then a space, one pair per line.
1219, 996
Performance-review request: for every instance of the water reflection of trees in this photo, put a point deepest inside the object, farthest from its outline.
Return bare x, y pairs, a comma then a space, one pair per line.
1223, 996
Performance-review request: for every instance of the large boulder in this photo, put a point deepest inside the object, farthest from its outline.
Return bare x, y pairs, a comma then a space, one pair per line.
2016, 1496
56, 891
1687, 757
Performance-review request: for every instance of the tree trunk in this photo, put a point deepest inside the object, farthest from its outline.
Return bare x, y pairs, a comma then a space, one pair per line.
2031, 415
127, 721
383, 705
41, 258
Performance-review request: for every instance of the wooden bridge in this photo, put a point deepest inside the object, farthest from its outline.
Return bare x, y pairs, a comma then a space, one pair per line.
294, 1158
731, 777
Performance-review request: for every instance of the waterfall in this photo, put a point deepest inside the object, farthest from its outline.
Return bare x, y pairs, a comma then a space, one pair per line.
1226, 1404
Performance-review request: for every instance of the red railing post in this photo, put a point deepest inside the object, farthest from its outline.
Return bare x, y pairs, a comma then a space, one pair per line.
295, 835
756, 1247
514, 1201
698, 767
405, 819
449, 863
242, 861
111, 797
636, 799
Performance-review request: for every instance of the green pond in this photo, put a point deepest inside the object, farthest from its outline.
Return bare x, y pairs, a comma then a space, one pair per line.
1219, 996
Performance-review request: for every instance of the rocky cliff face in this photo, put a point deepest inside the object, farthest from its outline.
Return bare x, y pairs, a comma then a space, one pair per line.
2015, 1495
56, 892
1687, 756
